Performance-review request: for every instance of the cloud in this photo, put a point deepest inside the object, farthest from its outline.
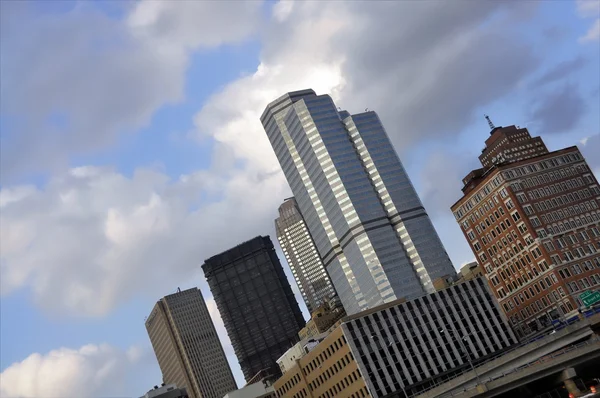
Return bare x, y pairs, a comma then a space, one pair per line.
73, 81
559, 71
590, 9
559, 111
590, 149
419, 77
92, 238
89, 371
593, 33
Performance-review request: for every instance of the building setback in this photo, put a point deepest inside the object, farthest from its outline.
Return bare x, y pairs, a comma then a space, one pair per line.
302, 256
256, 302
408, 346
532, 218
187, 347
367, 221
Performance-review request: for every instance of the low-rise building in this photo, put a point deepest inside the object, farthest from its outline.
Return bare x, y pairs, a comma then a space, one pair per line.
470, 270
298, 350
329, 370
322, 319
406, 346
166, 391
260, 389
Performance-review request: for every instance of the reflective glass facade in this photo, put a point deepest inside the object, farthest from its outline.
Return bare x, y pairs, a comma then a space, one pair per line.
370, 228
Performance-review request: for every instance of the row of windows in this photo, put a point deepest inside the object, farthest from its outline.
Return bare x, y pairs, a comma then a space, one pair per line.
323, 356
541, 305
570, 211
478, 197
339, 386
553, 189
583, 283
549, 177
567, 225
577, 269
578, 252
329, 372
530, 292
542, 165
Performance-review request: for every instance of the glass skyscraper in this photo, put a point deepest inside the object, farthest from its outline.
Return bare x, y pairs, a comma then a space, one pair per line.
257, 304
370, 228
302, 256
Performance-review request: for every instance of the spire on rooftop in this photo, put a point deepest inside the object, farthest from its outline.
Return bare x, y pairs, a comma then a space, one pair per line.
490, 122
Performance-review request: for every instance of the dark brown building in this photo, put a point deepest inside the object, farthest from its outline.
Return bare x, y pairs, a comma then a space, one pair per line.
532, 219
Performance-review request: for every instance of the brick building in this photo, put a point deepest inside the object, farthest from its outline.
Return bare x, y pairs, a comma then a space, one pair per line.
532, 218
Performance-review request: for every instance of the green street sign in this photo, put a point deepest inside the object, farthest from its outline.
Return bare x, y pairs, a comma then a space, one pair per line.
590, 298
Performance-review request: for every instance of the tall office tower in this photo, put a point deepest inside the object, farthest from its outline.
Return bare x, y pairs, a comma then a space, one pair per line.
302, 256
187, 347
370, 228
256, 303
531, 217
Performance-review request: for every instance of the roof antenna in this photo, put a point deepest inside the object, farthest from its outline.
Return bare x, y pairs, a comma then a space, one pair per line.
490, 122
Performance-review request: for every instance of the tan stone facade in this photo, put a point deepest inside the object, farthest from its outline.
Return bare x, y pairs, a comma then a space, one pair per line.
322, 319
187, 347
534, 225
329, 370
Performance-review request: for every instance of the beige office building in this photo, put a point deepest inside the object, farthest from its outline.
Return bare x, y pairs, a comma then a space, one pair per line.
187, 347
328, 371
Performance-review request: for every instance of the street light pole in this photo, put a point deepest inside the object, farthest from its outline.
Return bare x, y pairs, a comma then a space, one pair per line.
374, 338
460, 341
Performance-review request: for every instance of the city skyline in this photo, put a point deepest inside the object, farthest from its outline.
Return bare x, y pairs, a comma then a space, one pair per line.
126, 161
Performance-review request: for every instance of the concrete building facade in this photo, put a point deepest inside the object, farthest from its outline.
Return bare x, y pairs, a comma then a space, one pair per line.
367, 221
405, 347
302, 256
328, 371
532, 218
256, 302
187, 346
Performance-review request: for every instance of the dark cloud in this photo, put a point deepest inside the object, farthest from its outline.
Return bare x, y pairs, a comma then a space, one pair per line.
559, 72
560, 111
426, 66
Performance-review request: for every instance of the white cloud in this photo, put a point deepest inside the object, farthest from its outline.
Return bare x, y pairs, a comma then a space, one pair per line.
94, 77
91, 239
90, 371
593, 34
588, 8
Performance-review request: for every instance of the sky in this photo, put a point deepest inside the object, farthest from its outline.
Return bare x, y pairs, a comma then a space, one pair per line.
131, 147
